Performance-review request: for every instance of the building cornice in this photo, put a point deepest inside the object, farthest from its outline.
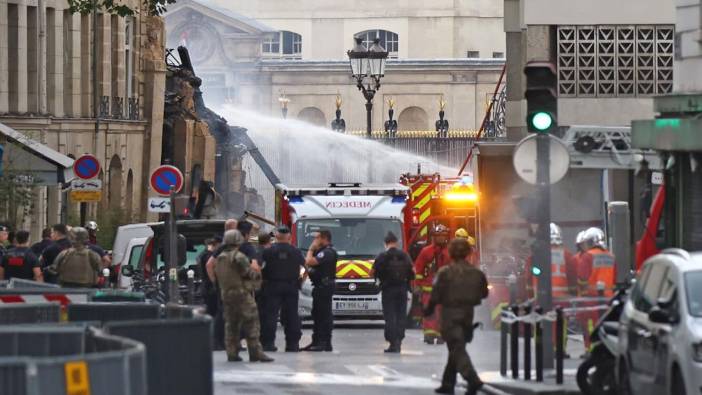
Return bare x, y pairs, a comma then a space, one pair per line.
342, 65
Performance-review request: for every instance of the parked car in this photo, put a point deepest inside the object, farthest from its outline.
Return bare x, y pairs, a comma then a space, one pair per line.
131, 259
660, 333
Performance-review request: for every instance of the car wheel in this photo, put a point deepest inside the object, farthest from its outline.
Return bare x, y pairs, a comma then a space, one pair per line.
677, 386
624, 383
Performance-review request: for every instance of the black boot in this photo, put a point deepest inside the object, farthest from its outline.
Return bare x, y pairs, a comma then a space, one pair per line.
393, 348
309, 347
474, 387
444, 390
234, 358
270, 347
292, 348
256, 355
324, 346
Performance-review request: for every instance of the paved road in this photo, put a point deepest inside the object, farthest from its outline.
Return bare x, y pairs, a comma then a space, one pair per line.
357, 366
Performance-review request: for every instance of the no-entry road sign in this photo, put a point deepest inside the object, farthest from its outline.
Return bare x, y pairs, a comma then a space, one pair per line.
165, 177
86, 167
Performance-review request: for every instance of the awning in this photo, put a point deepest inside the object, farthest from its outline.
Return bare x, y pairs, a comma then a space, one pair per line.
28, 157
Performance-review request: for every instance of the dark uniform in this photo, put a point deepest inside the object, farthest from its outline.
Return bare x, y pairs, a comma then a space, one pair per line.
19, 262
458, 288
394, 270
39, 247
49, 256
322, 277
281, 274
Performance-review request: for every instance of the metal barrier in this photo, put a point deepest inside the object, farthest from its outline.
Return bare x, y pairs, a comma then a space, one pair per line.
179, 352
529, 321
22, 283
26, 313
64, 296
114, 295
58, 360
104, 312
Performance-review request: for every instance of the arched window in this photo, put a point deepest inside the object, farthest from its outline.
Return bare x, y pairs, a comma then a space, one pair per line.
312, 115
114, 184
282, 44
413, 118
388, 40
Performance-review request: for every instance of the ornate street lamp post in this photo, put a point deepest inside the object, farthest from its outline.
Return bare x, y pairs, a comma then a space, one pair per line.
368, 67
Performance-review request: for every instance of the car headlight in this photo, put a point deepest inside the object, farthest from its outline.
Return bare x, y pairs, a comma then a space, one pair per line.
697, 352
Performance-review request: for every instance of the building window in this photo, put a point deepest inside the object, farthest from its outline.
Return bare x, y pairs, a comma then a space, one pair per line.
498, 55
473, 54
388, 40
128, 55
291, 47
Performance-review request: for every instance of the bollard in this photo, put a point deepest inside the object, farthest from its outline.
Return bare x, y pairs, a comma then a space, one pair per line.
512, 286
560, 340
191, 287
514, 344
106, 276
527, 345
503, 346
539, 347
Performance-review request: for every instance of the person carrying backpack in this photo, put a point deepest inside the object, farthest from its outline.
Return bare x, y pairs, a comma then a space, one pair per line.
393, 268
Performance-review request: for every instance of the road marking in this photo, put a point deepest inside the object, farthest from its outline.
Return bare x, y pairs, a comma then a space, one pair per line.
270, 377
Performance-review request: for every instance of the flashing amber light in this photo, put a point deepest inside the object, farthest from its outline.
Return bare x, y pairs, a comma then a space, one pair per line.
461, 196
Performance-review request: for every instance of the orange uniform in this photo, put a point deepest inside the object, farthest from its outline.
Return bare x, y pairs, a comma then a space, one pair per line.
597, 266
564, 272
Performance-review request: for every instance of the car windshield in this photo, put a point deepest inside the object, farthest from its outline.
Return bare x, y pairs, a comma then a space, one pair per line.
357, 237
693, 289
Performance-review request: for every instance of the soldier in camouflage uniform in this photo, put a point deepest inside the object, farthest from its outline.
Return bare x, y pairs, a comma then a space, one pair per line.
458, 288
78, 266
238, 282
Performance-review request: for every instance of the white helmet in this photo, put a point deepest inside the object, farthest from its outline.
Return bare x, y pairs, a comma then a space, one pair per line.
556, 238
580, 237
595, 237
92, 225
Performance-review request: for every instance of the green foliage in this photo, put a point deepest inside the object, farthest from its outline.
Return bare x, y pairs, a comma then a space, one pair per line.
108, 221
85, 7
17, 194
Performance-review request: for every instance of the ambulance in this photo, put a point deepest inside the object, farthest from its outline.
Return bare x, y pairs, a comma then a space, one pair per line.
358, 217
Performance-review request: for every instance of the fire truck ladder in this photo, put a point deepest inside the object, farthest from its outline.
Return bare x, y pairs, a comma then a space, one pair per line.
257, 156
605, 147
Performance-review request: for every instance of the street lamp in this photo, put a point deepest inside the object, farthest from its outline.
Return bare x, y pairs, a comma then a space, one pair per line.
368, 67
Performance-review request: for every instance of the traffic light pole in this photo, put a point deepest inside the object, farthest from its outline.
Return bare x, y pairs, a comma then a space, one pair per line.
542, 246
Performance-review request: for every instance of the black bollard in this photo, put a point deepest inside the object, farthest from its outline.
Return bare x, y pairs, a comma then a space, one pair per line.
539, 346
503, 346
527, 345
514, 344
560, 340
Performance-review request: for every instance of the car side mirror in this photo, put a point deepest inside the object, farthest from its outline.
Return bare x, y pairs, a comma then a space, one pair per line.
127, 271
659, 316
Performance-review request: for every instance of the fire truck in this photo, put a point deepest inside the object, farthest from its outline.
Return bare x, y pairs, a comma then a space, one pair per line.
358, 217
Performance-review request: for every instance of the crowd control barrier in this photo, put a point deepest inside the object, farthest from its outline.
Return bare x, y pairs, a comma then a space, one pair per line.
69, 360
178, 352
29, 313
104, 312
22, 283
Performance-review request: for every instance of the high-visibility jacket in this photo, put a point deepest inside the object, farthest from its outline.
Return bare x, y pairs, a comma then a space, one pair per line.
563, 272
432, 258
597, 266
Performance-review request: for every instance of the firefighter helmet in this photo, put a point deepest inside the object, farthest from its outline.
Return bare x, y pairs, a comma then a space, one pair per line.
580, 238
595, 237
463, 234
441, 230
556, 238
92, 225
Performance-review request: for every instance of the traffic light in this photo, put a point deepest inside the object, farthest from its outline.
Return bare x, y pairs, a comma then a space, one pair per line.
535, 270
541, 96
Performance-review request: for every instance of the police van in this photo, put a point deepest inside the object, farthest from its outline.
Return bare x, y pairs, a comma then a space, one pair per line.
358, 217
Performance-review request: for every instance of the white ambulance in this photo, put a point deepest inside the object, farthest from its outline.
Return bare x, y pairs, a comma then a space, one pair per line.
358, 217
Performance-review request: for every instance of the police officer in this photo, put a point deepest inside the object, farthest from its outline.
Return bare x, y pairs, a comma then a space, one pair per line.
78, 266
458, 288
281, 274
393, 268
60, 242
238, 282
20, 261
321, 265
210, 293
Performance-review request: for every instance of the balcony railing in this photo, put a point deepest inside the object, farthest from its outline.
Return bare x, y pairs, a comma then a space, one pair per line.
116, 108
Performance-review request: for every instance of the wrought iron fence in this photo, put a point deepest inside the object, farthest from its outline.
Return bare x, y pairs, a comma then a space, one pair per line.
115, 108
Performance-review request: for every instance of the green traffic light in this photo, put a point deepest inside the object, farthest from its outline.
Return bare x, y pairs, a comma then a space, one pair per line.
541, 121
535, 270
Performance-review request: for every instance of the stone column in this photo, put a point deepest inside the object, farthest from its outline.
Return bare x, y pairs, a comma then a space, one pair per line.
17, 56
85, 93
55, 61
4, 62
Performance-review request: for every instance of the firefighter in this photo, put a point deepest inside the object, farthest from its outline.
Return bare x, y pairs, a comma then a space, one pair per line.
596, 276
459, 288
237, 281
393, 268
463, 234
596, 268
432, 258
20, 261
321, 266
78, 266
563, 269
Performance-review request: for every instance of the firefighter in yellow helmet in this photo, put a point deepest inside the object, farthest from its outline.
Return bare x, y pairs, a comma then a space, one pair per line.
461, 233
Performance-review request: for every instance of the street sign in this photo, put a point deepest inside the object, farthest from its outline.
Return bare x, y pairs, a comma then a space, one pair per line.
86, 167
525, 162
86, 185
86, 196
159, 205
164, 177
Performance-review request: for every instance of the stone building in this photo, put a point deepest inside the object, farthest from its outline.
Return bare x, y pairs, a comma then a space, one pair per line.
249, 53
85, 84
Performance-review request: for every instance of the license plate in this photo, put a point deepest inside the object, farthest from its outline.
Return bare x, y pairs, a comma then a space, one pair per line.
352, 306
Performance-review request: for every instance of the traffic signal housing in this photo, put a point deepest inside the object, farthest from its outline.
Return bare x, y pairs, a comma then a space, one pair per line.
541, 96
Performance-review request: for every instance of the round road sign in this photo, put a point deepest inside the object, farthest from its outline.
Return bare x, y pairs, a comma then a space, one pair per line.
86, 167
164, 177
525, 162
